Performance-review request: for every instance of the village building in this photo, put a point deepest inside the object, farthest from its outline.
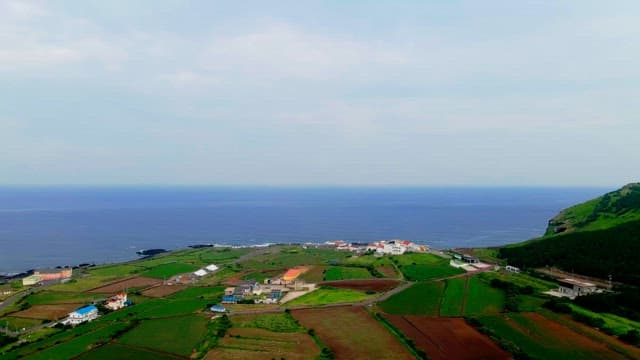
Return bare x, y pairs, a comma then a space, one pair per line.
116, 302
81, 315
572, 288
512, 269
40, 276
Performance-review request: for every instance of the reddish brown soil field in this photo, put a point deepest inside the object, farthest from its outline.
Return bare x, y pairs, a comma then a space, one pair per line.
121, 285
163, 290
352, 333
47, 312
573, 339
447, 338
377, 285
248, 343
388, 271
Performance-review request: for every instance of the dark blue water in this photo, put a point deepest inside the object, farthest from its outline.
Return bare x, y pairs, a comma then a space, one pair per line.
59, 226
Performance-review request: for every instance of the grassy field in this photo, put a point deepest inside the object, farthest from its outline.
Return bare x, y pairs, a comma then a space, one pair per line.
178, 335
253, 343
166, 271
345, 273
61, 297
482, 298
352, 333
324, 296
122, 352
290, 256
200, 292
521, 279
616, 324
419, 299
280, 322
15, 323
116, 270
454, 295
422, 272
78, 345
541, 338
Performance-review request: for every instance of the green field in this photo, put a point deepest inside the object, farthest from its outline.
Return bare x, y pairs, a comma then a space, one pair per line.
482, 298
419, 299
166, 271
421, 272
121, 352
115, 270
290, 256
346, 272
178, 335
201, 292
282, 322
540, 343
57, 297
15, 323
454, 294
328, 295
616, 324
78, 345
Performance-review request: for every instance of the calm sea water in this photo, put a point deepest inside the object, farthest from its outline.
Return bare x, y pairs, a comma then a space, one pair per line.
66, 226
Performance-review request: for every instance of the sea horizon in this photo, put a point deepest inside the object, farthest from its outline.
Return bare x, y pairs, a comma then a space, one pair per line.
65, 225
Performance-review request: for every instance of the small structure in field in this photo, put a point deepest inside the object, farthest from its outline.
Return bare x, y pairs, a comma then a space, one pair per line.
572, 288
512, 269
218, 309
81, 315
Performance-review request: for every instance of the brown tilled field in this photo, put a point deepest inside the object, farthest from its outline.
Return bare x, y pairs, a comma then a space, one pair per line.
249, 343
352, 333
47, 312
377, 285
121, 285
447, 338
163, 290
388, 271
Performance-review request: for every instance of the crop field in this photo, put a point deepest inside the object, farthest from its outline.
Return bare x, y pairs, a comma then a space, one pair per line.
121, 285
167, 308
617, 324
519, 279
482, 298
165, 271
251, 343
325, 296
47, 312
419, 299
287, 257
447, 338
278, 322
259, 276
387, 271
78, 345
352, 333
14, 323
315, 274
543, 338
125, 352
422, 272
163, 290
61, 297
454, 297
178, 335
375, 285
116, 270
346, 273
203, 292
83, 283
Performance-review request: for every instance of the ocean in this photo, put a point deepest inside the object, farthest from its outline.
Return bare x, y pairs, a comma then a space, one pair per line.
51, 226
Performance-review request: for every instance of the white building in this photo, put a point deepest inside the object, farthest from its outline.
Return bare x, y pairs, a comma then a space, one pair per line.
211, 268
512, 269
81, 315
116, 302
200, 273
572, 287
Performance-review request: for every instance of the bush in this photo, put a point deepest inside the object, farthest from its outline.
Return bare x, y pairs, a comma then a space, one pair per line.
632, 337
558, 306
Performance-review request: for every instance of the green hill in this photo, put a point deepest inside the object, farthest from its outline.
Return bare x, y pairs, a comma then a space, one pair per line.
600, 237
608, 210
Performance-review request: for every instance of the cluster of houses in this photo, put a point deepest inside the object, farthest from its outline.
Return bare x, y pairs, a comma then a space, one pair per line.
269, 292
40, 276
380, 248
90, 312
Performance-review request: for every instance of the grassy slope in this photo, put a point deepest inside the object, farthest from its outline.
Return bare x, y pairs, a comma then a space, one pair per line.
602, 238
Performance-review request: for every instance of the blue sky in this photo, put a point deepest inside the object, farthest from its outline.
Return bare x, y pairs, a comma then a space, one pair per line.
306, 93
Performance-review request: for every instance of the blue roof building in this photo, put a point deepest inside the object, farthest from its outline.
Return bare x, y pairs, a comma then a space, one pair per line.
86, 310
229, 299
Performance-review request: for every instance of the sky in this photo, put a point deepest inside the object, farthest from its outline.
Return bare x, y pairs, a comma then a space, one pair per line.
468, 93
